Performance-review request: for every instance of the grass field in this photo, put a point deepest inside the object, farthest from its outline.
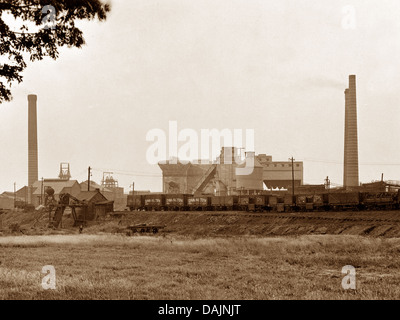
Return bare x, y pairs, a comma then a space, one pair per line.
106, 266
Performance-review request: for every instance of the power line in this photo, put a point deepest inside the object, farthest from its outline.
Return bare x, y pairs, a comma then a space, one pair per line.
129, 173
341, 162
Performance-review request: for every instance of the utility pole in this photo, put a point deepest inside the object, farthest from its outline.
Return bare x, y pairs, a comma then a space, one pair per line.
293, 198
15, 195
41, 192
88, 185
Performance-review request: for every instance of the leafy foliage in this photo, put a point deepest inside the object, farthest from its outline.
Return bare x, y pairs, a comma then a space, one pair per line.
16, 46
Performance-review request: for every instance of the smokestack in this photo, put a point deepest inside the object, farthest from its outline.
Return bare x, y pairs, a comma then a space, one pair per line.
32, 144
350, 170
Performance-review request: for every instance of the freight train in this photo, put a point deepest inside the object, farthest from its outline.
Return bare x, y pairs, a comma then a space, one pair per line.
279, 202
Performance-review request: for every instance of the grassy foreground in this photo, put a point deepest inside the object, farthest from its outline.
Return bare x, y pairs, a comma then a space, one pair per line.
172, 267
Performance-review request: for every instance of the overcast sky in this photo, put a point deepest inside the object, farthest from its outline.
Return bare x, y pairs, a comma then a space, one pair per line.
278, 67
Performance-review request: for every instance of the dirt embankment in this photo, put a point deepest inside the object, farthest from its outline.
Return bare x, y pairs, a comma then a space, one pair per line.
370, 223
376, 224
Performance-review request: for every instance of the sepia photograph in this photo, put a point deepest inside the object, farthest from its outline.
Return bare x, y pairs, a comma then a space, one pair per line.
199, 154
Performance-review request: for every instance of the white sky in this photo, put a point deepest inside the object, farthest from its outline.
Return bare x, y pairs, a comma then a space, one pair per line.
278, 67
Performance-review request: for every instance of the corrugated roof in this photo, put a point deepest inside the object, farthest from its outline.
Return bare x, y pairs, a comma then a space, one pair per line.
57, 185
88, 195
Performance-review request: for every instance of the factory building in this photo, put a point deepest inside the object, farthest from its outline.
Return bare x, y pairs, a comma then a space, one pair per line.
278, 174
224, 176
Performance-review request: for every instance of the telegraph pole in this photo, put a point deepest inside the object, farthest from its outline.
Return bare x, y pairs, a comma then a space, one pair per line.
15, 195
88, 186
41, 192
293, 198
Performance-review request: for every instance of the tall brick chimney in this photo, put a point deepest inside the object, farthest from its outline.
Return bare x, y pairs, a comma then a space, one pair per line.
350, 169
32, 144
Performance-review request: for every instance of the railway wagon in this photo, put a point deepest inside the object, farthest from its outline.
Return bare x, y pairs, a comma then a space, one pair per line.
259, 202
251, 203
154, 202
378, 200
318, 202
223, 203
288, 203
304, 202
231, 202
245, 203
143, 228
176, 202
276, 203
216, 203
343, 201
201, 203
135, 202
309, 202
268, 202
272, 201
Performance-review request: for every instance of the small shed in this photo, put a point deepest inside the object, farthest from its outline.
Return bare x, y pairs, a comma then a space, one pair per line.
6, 202
97, 204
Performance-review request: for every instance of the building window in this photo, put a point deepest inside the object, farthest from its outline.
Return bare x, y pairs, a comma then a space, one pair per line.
274, 165
297, 165
283, 165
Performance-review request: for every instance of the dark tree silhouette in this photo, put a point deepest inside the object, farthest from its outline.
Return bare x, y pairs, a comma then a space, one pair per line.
54, 27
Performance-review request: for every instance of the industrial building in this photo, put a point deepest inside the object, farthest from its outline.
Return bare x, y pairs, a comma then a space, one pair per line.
59, 186
278, 174
221, 177
34, 192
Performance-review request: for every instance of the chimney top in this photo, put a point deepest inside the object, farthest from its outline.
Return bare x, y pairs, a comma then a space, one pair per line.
32, 97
